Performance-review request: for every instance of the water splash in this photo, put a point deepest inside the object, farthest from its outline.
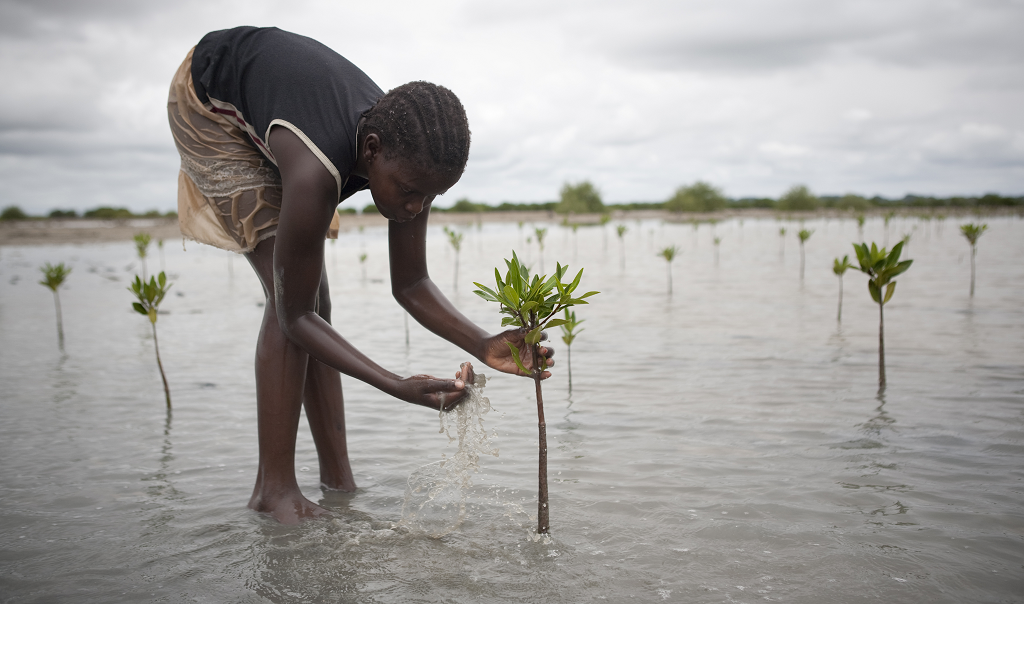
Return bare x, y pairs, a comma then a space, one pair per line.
435, 497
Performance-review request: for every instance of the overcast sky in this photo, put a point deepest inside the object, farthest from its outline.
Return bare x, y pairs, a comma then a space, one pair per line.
639, 97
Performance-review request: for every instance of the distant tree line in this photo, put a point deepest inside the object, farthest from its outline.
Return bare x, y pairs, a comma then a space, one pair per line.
584, 198
13, 212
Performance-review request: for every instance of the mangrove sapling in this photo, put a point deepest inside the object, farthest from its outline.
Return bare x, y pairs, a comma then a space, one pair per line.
455, 239
669, 254
150, 295
860, 226
160, 245
569, 333
540, 233
362, 264
53, 277
534, 305
840, 267
804, 235
886, 219
620, 230
605, 218
142, 240
881, 268
782, 243
972, 232
717, 240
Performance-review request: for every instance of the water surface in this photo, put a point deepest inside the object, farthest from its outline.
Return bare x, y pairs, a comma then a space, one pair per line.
727, 444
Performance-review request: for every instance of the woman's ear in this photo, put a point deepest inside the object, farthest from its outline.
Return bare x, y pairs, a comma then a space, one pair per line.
372, 147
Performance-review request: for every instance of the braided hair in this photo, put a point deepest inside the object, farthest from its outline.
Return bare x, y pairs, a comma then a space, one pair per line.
424, 122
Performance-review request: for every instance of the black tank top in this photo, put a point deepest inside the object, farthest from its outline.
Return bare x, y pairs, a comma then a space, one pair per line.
261, 77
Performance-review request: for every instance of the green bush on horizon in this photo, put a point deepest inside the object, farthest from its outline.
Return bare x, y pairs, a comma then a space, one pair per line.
582, 198
12, 212
699, 197
797, 198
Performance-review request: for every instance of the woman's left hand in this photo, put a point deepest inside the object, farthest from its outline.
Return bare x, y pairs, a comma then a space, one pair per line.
497, 354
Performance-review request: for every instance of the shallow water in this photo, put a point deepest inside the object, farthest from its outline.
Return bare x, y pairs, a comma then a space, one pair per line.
726, 445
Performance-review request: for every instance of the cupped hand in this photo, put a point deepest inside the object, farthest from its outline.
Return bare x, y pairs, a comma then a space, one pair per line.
434, 392
497, 354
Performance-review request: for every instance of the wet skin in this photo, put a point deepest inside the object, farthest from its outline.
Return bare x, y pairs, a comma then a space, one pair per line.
299, 354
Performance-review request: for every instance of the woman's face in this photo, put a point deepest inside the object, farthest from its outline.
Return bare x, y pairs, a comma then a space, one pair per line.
402, 189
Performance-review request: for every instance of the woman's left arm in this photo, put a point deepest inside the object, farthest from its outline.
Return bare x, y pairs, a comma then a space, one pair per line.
417, 294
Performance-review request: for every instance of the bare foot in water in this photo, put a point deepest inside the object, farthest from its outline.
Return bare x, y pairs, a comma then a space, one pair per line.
290, 508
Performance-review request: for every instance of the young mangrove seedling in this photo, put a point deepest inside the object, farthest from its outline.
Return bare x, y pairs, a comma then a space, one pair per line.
605, 218
840, 267
860, 226
142, 240
804, 235
53, 277
972, 232
669, 254
717, 240
575, 241
540, 233
881, 268
160, 246
534, 305
362, 264
569, 333
621, 230
886, 219
150, 295
455, 239
782, 243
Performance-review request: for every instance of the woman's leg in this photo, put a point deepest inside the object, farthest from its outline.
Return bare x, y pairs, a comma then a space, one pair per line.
325, 411
280, 377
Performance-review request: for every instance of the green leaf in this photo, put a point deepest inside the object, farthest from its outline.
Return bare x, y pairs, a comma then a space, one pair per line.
556, 322
575, 283
512, 295
139, 308
515, 357
533, 336
901, 267
876, 295
588, 294
888, 292
894, 256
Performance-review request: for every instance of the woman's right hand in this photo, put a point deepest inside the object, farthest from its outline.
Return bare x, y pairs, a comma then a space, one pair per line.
434, 392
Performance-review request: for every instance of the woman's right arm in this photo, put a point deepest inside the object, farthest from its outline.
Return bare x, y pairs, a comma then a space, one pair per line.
308, 203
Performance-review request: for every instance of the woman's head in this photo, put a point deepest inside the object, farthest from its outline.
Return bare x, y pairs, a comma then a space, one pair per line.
422, 123
414, 144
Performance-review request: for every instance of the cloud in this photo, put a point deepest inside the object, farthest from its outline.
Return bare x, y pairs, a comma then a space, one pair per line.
639, 97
